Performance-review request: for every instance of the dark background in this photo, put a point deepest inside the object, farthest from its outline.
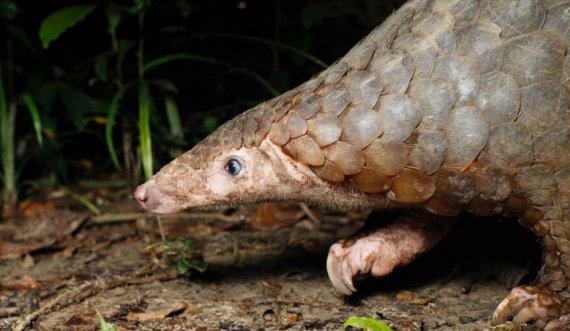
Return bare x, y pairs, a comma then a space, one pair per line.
73, 99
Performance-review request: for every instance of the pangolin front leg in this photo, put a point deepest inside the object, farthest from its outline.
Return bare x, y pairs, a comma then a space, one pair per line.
377, 252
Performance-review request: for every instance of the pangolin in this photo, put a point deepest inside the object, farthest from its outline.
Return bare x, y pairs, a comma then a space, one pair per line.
448, 106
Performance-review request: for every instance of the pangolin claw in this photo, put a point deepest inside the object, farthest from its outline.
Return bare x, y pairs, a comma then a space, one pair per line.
339, 270
533, 305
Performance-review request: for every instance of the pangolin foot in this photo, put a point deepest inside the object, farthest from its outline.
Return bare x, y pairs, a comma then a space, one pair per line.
534, 305
350, 260
378, 252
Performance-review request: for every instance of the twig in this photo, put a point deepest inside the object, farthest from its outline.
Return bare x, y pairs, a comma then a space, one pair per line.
310, 213
90, 288
129, 217
159, 221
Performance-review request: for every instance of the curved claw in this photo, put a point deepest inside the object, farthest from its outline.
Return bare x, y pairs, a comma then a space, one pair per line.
379, 252
339, 270
532, 305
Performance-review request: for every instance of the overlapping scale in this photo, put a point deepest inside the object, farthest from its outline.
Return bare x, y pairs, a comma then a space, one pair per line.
306, 105
386, 157
527, 16
334, 98
329, 171
534, 57
325, 129
465, 12
509, 146
441, 205
395, 69
551, 147
438, 25
364, 87
305, 150
544, 104
499, 97
428, 152
467, 133
481, 42
335, 72
296, 125
248, 131
463, 73
370, 181
346, 156
360, 126
279, 133
422, 49
400, 115
359, 56
411, 186
437, 97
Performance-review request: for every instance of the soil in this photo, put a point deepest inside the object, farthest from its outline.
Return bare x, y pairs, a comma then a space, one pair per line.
259, 276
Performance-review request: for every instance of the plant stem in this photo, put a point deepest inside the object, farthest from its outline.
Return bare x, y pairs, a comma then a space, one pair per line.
9, 194
7, 125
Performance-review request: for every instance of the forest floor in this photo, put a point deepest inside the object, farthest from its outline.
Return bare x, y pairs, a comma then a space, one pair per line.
265, 271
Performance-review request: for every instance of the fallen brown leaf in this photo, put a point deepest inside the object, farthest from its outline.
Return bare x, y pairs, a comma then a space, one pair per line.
26, 282
158, 314
38, 231
271, 216
412, 298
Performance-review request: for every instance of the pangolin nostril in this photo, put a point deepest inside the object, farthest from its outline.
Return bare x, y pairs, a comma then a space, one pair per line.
140, 194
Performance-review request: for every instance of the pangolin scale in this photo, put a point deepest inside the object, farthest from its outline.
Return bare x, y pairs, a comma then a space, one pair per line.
448, 106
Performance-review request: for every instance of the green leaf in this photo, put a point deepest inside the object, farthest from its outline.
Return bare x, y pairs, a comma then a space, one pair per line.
144, 130
182, 266
367, 323
57, 22
85, 202
113, 19
103, 325
33, 109
111, 114
173, 116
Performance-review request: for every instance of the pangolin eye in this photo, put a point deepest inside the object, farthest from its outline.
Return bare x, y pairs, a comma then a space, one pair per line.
233, 167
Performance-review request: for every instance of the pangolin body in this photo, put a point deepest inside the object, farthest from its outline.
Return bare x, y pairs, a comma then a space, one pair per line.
449, 105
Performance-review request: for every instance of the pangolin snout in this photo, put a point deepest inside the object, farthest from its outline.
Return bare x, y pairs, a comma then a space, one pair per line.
146, 195
140, 194
154, 200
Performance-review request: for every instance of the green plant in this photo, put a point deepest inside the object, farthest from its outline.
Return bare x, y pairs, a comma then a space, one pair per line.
10, 101
366, 323
125, 95
104, 325
147, 89
182, 251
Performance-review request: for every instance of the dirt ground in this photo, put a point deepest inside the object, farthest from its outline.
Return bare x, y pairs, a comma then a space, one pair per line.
260, 275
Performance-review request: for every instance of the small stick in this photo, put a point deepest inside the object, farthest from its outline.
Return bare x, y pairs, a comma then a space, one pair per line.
128, 217
310, 213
